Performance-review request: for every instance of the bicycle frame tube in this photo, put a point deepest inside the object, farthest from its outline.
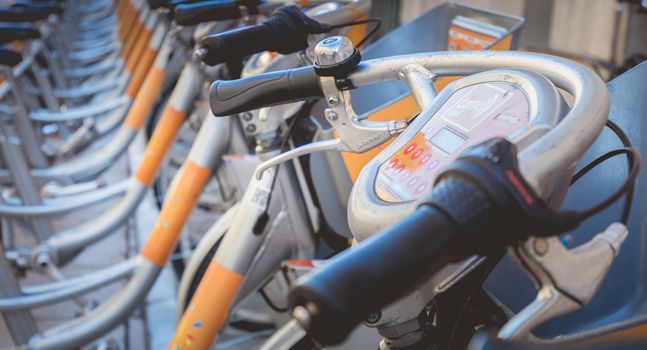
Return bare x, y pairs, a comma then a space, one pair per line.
69, 242
88, 167
204, 156
209, 306
99, 320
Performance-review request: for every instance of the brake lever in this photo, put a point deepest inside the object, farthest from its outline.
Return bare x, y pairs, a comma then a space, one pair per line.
355, 134
568, 279
335, 57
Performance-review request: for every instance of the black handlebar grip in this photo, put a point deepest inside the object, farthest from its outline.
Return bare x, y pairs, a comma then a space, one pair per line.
236, 43
227, 97
155, 4
47, 7
285, 31
363, 279
18, 31
22, 13
9, 58
206, 11
383, 268
168, 4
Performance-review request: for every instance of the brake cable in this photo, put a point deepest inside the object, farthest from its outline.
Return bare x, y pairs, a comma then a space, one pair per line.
633, 162
372, 32
263, 219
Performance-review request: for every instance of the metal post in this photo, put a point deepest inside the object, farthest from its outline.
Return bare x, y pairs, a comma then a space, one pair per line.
19, 172
20, 323
22, 123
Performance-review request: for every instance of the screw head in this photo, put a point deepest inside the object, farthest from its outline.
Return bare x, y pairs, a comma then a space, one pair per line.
247, 116
331, 115
373, 317
333, 101
250, 128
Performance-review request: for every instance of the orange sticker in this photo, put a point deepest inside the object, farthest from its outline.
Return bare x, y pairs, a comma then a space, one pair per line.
138, 50
129, 18
159, 144
140, 72
177, 206
131, 38
208, 310
145, 99
465, 39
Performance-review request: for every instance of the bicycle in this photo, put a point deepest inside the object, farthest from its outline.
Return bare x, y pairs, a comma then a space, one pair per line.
144, 271
349, 288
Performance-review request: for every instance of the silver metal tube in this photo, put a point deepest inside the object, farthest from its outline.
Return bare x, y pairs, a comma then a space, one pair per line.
84, 329
85, 91
55, 292
79, 112
420, 82
87, 167
65, 244
58, 206
286, 337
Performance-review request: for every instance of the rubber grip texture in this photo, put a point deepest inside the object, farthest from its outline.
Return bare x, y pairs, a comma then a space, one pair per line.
206, 11
227, 97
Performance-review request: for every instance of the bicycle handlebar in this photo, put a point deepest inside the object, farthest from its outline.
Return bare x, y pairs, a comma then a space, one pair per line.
9, 58
355, 283
25, 13
286, 31
215, 10
169, 4
18, 31
462, 216
228, 97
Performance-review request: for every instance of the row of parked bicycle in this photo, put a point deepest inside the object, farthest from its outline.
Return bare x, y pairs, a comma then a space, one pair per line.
377, 184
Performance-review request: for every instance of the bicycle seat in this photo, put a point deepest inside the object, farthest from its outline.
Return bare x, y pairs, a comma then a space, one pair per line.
486, 341
27, 13
17, 31
9, 58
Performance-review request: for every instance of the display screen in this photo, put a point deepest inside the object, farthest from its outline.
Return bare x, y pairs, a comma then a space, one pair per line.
469, 116
447, 141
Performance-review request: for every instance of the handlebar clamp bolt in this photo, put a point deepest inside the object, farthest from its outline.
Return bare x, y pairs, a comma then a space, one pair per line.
303, 315
201, 53
540, 246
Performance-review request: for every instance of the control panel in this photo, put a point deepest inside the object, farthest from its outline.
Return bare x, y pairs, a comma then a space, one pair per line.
472, 114
516, 104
